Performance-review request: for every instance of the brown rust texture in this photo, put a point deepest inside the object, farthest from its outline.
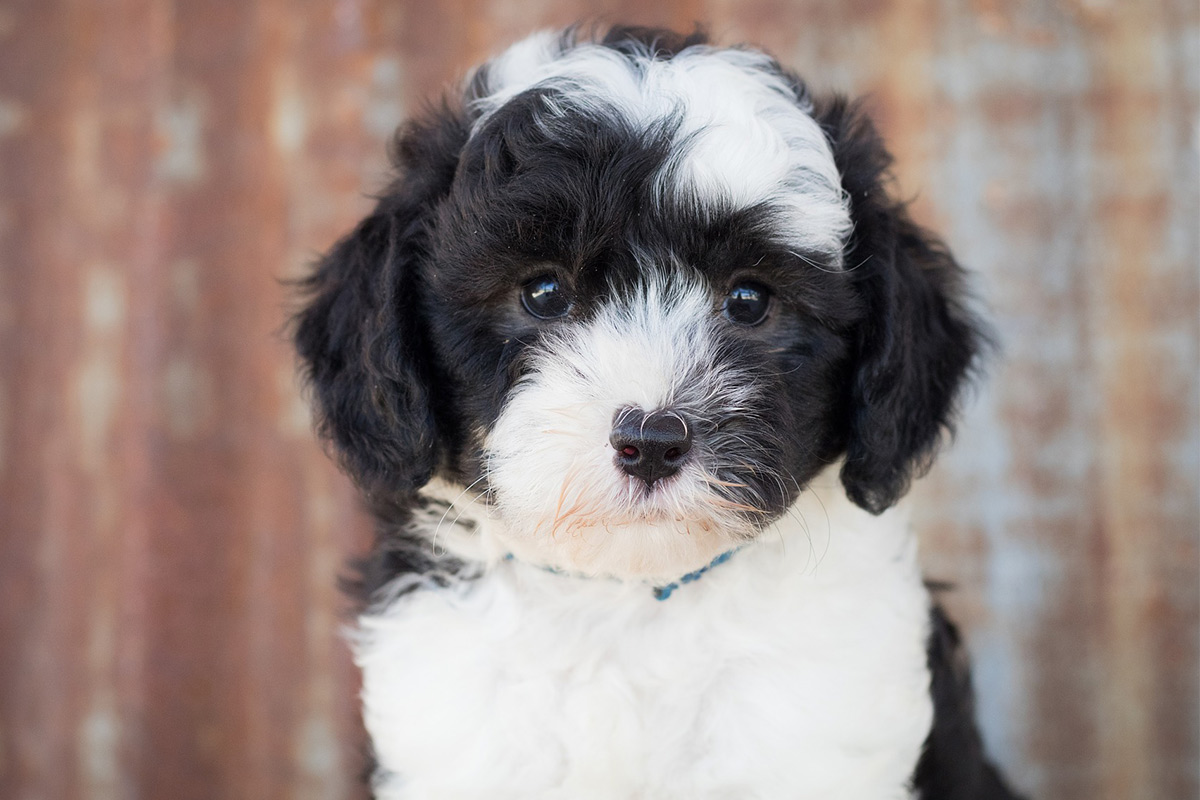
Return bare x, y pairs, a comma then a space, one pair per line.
170, 532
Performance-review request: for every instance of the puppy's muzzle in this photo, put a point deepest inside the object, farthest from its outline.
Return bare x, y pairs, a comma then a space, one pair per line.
650, 446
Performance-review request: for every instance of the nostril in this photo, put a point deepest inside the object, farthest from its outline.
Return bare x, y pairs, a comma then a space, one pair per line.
650, 446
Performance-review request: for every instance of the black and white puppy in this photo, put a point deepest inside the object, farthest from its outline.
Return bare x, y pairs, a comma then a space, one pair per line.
633, 361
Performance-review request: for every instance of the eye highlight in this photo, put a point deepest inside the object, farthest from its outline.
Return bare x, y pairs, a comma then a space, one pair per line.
747, 303
544, 298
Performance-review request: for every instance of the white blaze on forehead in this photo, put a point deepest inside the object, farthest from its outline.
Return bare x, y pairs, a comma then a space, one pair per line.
645, 350
743, 138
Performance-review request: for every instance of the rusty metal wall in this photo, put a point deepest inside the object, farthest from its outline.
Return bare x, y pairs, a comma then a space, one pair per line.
170, 533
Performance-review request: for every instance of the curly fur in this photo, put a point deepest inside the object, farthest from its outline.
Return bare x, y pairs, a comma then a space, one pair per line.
510, 643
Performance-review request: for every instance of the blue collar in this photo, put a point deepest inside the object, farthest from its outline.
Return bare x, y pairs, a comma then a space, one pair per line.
661, 592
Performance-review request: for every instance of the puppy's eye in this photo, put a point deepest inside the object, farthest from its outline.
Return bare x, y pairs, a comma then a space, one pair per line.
747, 303
545, 298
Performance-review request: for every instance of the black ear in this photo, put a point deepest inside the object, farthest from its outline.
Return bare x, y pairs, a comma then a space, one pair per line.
360, 334
918, 340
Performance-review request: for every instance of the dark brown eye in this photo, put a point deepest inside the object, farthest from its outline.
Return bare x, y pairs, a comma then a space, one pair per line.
544, 298
747, 303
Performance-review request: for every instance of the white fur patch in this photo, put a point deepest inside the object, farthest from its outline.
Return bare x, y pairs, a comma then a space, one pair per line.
795, 670
562, 500
744, 138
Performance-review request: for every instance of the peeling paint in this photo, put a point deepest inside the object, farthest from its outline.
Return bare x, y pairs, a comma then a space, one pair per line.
105, 299
288, 117
13, 117
319, 748
1000, 696
385, 105
180, 129
295, 415
98, 391
188, 398
99, 743
98, 386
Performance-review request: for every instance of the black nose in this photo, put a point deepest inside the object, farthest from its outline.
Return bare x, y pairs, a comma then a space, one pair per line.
650, 446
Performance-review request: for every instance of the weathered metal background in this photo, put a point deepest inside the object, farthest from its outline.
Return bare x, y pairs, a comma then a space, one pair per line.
170, 532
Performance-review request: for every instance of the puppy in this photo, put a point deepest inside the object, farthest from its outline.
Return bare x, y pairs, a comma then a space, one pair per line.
633, 361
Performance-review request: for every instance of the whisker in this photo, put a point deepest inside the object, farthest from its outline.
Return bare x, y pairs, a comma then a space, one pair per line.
438, 528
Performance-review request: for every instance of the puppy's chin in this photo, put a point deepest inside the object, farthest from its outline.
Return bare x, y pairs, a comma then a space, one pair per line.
594, 520
656, 548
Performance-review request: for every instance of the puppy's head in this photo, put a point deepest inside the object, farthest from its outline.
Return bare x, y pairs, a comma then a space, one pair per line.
635, 293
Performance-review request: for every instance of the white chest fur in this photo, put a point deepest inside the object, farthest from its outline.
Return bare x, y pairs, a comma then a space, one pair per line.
795, 670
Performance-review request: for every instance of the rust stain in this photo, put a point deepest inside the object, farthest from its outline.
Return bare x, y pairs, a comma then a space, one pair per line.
170, 532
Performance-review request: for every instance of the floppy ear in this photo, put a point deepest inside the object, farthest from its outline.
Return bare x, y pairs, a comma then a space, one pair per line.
360, 335
918, 340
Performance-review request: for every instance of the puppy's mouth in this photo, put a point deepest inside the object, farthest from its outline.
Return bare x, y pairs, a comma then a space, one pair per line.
661, 503
688, 498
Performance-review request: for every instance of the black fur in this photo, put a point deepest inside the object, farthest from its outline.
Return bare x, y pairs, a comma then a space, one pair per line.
918, 341
664, 44
953, 765
412, 336
366, 355
365, 351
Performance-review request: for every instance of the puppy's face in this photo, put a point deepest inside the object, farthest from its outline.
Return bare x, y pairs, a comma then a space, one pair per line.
625, 294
